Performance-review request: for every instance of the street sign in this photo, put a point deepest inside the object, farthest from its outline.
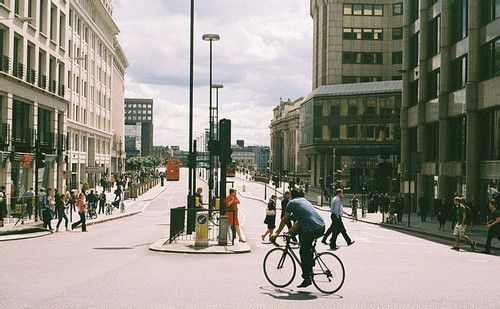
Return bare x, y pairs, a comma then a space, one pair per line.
94, 169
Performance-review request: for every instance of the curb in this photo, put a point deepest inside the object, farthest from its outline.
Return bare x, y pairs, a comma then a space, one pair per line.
160, 246
24, 236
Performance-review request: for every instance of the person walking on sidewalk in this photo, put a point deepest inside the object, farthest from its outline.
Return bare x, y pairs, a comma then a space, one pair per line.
270, 219
102, 201
80, 204
60, 209
493, 225
442, 213
422, 205
337, 226
400, 206
459, 231
309, 226
46, 212
29, 195
232, 203
354, 206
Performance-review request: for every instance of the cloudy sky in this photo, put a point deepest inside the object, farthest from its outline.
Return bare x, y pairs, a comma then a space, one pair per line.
265, 53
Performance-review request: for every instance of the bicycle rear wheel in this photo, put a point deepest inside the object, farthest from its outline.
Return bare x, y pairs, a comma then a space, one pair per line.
279, 267
328, 273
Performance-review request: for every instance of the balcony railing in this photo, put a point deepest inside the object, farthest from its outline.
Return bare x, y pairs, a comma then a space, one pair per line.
52, 86
4, 135
22, 139
4, 63
46, 141
42, 81
30, 76
60, 90
18, 69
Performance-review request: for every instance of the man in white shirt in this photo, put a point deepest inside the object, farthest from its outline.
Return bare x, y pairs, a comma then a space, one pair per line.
337, 226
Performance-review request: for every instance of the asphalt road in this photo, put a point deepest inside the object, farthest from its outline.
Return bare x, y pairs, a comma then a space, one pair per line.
111, 267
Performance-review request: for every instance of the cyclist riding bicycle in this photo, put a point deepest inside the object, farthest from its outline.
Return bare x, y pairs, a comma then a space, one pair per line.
309, 225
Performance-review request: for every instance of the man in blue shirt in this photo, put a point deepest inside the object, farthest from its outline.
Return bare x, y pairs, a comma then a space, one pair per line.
337, 226
309, 226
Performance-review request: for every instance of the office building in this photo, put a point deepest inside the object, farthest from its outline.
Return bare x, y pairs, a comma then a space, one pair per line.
139, 127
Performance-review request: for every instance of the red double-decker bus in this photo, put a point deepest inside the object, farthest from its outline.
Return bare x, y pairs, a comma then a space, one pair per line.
172, 170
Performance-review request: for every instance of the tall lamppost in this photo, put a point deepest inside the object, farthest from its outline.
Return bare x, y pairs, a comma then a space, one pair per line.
216, 134
210, 38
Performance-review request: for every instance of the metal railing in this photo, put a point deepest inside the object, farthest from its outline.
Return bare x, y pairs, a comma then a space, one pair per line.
18, 69
23, 138
52, 86
42, 81
30, 76
47, 141
179, 227
4, 63
60, 90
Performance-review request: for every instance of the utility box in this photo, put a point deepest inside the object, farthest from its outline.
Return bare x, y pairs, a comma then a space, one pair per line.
223, 231
201, 229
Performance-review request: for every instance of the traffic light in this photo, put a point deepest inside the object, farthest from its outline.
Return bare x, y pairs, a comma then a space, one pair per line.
225, 140
40, 159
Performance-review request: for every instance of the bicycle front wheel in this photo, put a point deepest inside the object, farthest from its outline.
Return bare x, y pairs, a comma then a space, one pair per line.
279, 267
328, 273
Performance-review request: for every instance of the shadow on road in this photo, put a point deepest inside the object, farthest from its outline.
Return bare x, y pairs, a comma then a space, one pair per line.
288, 294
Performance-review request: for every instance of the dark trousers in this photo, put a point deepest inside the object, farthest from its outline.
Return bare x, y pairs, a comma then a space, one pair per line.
101, 207
82, 222
491, 232
62, 216
306, 250
47, 218
335, 229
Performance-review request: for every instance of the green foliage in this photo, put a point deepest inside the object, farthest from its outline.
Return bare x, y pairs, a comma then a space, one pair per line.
141, 163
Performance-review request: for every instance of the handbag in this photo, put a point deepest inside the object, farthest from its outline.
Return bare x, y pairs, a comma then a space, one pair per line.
270, 212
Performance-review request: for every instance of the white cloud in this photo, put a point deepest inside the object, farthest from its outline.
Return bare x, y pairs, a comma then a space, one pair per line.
264, 54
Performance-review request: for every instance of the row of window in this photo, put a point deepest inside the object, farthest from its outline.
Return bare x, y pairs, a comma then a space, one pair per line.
373, 34
364, 9
78, 143
355, 132
361, 79
138, 111
362, 58
138, 118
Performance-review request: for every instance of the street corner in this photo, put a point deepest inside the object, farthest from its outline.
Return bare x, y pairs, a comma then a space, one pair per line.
188, 247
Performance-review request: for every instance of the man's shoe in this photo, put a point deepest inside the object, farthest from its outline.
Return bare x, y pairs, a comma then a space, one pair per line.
351, 243
305, 283
324, 241
334, 247
455, 248
473, 246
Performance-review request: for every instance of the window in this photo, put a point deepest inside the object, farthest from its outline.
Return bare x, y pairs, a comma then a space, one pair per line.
397, 9
367, 9
413, 92
413, 10
367, 34
43, 14
490, 59
435, 36
352, 110
352, 131
347, 9
459, 73
378, 10
433, 80
414, 50
397, 58
397, 33
357, 9
458, 20
370, 132
17, 7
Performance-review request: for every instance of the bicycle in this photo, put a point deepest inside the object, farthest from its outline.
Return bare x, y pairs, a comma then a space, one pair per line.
280, 267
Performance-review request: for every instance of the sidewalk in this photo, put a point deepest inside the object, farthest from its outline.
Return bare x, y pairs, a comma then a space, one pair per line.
32, 229
428, 229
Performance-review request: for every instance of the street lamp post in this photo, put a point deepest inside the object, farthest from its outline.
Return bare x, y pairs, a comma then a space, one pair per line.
211, 38
216, 134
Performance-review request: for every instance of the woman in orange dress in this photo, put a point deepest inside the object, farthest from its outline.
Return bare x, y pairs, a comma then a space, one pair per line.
232, 202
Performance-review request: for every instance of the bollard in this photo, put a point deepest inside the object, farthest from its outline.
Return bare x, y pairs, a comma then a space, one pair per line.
217, 203
319, 200
244, 188
201, 229
223, 231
